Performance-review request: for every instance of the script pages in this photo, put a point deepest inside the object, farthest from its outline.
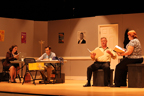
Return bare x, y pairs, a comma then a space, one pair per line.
98, 52
118, 49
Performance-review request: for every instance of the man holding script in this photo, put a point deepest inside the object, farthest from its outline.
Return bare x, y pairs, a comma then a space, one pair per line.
102, 56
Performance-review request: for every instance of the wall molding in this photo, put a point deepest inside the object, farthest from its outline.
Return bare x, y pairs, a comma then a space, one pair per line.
71, 58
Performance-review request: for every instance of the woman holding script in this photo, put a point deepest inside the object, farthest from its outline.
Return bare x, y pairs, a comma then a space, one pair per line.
133, 55
10, 56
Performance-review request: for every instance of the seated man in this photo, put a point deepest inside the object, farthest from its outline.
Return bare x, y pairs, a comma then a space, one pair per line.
101, 62
48, 55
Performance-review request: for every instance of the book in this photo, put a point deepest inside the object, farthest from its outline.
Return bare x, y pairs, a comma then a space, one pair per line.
118, 49
97, 51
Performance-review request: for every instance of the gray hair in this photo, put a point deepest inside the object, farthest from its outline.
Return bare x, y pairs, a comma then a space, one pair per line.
103, 38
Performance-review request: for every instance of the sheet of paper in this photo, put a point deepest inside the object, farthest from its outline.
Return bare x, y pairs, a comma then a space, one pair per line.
88, 50
118, 49
98, 52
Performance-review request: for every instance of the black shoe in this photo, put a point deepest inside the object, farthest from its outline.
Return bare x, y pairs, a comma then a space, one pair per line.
87, 85
114, 86
48, 82
40, 82
15, 81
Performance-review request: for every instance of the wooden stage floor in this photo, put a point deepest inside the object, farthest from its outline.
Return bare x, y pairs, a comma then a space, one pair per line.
69, 88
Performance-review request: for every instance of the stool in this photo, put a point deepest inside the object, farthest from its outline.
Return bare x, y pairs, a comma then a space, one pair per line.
98, 77
136, 75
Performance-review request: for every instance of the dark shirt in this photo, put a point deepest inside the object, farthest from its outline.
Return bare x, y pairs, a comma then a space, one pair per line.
83, 42
9, 57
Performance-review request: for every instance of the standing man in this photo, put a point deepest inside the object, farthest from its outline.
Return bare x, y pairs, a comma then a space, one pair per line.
101, 62
48, 55
81, 41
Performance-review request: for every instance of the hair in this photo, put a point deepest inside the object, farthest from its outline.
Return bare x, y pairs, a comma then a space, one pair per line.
11, 48
132, 33
81, 33
48, 47
103, 38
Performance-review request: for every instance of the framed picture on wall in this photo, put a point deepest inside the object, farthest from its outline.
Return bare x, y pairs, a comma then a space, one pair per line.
23, 37
81, 37
61, 37
2, 34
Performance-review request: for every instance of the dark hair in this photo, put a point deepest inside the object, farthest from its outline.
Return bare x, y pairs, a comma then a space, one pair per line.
82, 33
48, 47
11, 48
126, 40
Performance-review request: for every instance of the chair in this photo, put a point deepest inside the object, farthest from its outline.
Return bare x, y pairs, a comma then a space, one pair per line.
4, 70
7, 71
30, 60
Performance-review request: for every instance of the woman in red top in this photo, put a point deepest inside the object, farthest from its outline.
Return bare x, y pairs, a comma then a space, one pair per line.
10, 56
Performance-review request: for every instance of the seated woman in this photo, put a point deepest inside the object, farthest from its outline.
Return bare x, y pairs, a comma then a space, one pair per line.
10, 56
133, 55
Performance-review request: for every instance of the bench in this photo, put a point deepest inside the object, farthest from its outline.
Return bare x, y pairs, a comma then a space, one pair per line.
98, 77
136, 75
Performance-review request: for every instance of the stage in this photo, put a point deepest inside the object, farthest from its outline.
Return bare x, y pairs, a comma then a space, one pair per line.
69, 88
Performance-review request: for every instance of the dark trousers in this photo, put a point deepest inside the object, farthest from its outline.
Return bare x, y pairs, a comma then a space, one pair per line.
100, 65
122, 69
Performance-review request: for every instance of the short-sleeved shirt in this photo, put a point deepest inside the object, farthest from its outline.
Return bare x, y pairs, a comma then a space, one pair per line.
45, 56
137, 52
106, 57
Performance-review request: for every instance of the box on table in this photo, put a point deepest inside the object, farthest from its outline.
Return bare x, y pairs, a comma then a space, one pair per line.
36, 66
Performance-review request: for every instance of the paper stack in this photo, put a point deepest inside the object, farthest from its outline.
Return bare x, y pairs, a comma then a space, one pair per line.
98, 52
118, 49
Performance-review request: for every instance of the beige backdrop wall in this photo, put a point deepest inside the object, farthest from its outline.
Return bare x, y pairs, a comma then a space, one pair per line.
48, 32
35, 31
74, 69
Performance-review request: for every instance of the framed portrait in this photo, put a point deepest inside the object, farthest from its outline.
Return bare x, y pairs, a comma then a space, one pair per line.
2, 35
81, 37
23, 37
61, 37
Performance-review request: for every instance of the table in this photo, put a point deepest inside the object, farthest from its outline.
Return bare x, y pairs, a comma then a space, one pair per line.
38, 61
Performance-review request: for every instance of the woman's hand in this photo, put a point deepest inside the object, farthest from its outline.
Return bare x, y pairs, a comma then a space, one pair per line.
16, 56
121, 54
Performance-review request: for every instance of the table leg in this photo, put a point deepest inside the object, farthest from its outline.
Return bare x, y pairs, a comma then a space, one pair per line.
22, 71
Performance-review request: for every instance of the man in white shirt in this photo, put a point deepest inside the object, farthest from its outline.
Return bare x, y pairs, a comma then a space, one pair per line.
101, 62
48, 55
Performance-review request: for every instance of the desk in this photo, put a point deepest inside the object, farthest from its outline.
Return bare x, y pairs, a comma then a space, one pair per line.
42, 61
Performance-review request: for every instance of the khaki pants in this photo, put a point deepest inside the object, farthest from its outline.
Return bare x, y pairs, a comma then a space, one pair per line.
49, 72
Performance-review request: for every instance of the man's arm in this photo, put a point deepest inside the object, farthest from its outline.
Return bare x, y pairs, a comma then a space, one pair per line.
53, 55
41, 58
112, 53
